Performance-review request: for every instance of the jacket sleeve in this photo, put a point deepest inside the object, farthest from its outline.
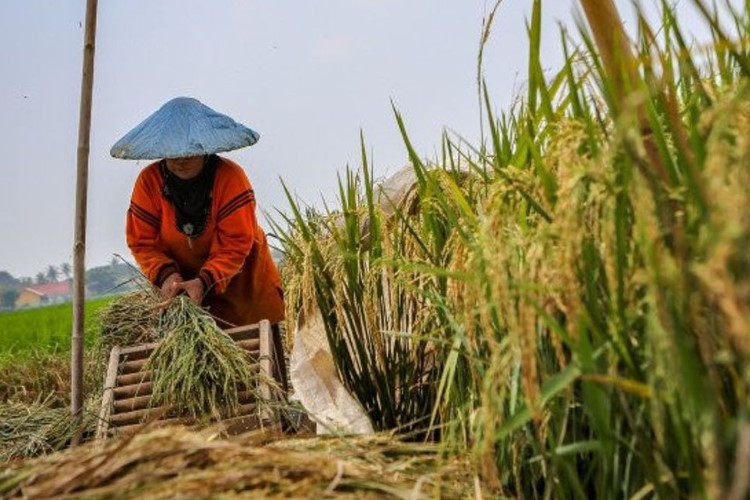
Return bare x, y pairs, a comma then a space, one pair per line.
236, 228
142, 231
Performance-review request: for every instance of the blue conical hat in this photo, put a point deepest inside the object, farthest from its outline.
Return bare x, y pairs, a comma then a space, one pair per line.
183, 127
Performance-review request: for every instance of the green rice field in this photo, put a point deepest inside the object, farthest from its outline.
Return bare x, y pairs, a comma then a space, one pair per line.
45, 328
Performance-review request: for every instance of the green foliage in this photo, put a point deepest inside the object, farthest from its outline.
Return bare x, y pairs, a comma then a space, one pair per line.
7, 279
113, 278
8, 297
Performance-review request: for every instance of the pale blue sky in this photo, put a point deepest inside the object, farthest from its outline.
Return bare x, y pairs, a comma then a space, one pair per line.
307, 75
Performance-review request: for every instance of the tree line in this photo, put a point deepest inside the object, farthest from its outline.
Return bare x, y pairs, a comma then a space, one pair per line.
116, 276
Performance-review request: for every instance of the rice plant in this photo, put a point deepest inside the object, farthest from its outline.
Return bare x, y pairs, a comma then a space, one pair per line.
568, 302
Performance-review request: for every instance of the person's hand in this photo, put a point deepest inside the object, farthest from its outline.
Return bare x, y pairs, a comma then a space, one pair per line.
194, 289
170, 286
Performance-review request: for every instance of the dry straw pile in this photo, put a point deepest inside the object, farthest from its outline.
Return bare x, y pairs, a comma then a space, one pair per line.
31, 430
174, 462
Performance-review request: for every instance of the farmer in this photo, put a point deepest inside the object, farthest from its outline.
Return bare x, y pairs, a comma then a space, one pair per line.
191, 225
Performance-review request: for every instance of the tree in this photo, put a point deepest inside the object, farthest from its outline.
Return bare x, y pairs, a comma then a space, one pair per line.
7, 279
8, 298
41, 278
52, 273
101, 280
66, 270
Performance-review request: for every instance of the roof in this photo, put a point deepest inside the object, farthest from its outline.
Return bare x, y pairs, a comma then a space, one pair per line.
51, 289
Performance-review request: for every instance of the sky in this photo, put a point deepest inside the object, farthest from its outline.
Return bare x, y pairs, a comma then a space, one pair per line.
307, 75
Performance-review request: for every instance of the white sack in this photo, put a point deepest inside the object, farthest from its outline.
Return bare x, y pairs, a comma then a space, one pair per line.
317, 385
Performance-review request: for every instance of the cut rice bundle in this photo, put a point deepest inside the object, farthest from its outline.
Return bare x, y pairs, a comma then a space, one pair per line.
197, 366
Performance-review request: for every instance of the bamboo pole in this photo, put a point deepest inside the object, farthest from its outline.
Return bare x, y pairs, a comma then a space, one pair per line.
79, 243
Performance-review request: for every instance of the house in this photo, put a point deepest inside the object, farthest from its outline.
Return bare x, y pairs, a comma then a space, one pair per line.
43, 294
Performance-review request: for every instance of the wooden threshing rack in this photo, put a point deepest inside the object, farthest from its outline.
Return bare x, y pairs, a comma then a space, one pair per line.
127, 387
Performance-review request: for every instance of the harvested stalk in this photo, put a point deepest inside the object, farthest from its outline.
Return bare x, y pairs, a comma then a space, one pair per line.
130, 319
197, 367
32, 430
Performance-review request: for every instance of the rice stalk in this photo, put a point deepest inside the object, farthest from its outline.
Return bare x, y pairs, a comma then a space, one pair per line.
198, 368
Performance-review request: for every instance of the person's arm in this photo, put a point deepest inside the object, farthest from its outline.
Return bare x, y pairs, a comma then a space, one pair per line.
142, 230
236, 228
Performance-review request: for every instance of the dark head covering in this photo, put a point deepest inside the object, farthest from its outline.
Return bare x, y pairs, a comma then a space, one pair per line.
191, 198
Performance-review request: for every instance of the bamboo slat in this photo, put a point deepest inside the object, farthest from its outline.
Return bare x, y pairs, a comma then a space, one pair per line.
142, 402
131, 391
133, 366
266, 367
250, 344
107, 397
134, 378
137, 352
244, 332
244, 418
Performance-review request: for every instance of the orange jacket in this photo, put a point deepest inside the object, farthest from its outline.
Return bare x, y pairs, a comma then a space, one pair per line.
231, 256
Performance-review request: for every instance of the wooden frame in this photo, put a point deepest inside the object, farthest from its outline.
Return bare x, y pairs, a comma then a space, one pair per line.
266, 363
127, 387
